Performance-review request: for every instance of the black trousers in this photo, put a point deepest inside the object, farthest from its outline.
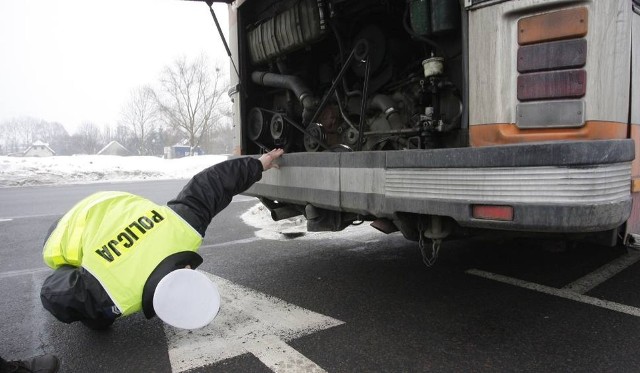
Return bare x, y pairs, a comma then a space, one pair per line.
73, 294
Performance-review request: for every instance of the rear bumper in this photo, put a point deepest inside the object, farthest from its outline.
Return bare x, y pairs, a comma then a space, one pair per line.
571, 187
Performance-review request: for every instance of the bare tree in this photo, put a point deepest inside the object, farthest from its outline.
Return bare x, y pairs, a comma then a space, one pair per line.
11, 135
87, 138
21, 132
140, 115
193, 97
122, 134
106, 134
18, 133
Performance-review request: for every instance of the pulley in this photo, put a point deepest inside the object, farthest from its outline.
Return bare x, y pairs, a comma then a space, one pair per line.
350, 136
317, 132
280, 130
258, 125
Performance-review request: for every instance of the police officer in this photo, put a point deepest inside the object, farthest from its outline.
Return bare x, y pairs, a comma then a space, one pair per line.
114, 252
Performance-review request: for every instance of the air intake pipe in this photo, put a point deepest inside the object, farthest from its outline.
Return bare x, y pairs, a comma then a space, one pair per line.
292, 83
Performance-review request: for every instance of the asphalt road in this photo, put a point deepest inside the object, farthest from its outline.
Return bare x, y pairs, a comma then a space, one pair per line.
356, 302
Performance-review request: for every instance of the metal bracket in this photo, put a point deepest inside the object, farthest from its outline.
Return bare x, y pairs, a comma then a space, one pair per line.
429, 259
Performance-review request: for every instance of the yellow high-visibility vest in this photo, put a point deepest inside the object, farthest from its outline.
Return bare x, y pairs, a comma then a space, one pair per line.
119, 238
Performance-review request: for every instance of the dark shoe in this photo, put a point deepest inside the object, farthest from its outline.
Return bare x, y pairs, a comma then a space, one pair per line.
39, 364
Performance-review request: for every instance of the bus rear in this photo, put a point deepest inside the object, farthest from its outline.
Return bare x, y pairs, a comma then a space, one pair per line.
442, 118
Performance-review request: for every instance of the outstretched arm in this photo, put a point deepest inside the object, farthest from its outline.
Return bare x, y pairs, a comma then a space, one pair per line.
268, 159
212, 189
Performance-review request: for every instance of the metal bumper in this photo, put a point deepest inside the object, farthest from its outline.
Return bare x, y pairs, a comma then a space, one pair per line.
571, 187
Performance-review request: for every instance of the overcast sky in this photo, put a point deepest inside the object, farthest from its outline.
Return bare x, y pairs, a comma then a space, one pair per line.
72, 61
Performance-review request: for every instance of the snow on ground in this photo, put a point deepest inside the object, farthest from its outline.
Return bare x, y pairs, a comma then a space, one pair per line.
296, 228
29, 171
25, 171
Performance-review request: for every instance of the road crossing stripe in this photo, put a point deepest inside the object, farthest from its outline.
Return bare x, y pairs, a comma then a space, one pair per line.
248, 322
236, 242
562, 293
23, 272
280, 357
603, 273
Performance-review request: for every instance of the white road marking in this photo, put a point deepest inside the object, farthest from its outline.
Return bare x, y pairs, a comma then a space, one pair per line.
236, 242
23, 272
280, 357
3, 220
562, 293
603, 273
30, 216
248, 322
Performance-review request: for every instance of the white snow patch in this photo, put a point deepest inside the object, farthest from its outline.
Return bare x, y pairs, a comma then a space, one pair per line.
259, 217
24, 171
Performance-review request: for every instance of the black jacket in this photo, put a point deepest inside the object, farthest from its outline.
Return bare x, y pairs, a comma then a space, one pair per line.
211, 190
73, 294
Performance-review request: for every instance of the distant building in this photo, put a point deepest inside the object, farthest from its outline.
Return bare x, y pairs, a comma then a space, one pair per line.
39, 149
114, 148
179, 151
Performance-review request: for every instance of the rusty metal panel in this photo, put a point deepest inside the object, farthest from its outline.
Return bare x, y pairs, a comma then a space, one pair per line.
554, 55
549, 85
563, 24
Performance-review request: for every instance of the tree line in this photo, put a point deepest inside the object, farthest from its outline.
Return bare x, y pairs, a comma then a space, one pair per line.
188, 105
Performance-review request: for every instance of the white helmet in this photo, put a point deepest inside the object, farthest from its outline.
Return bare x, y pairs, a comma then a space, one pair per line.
186, 299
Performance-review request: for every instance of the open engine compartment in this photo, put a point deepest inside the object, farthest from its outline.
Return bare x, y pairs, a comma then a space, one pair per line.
350, 75
371, 99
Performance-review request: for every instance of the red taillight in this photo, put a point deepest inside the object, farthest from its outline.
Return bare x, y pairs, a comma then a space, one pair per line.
493, 212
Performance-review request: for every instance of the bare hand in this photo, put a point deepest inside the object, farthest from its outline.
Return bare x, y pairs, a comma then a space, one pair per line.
268, 158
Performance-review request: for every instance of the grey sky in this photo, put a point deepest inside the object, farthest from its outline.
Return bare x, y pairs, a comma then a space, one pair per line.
73, 61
